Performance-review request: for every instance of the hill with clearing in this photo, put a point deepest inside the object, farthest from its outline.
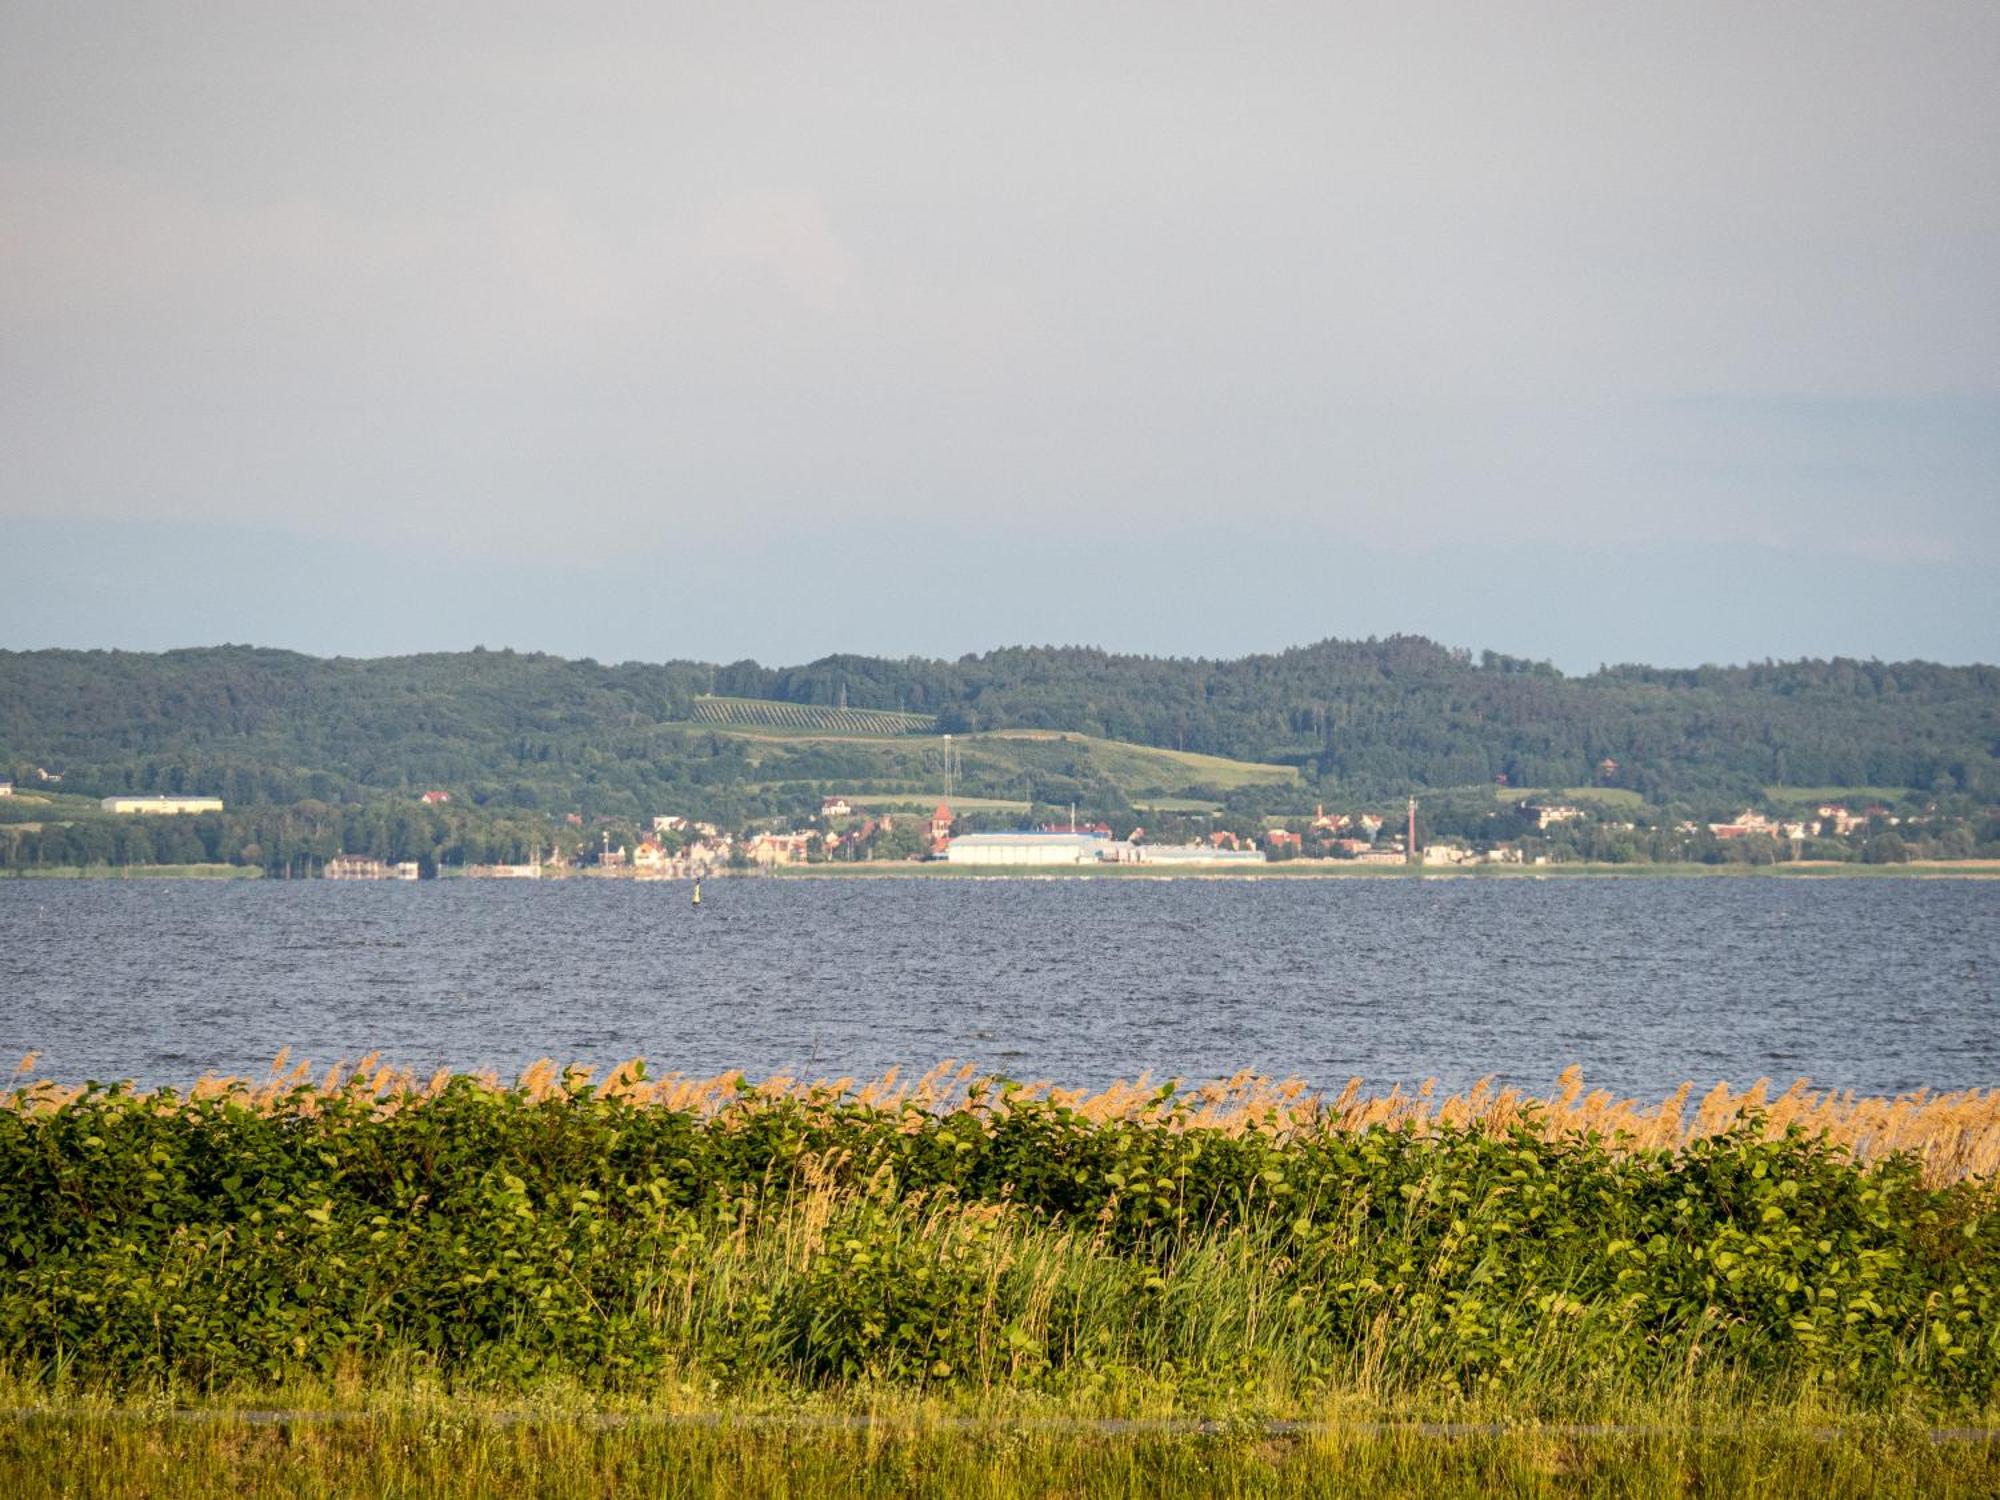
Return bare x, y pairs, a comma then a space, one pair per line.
1337, 720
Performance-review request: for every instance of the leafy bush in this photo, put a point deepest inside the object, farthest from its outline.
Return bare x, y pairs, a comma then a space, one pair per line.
502, 1234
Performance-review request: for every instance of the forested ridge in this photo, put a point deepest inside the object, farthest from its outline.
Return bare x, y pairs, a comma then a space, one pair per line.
260, 726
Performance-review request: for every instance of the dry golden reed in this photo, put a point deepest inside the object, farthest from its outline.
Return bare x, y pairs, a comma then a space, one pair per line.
1956, 1134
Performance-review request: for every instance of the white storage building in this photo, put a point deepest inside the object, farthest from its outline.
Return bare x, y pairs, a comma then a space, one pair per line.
160, 804
1028, 849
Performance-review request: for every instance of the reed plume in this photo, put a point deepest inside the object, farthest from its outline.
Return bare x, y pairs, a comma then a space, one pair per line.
1956, 1133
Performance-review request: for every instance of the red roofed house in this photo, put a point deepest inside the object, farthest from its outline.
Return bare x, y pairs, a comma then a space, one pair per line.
941, 822
434, 799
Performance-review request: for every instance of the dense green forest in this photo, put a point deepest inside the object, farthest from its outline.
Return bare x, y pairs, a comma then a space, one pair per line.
530, 737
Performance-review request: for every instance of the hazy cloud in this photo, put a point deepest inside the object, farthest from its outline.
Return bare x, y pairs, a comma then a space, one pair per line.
632, 282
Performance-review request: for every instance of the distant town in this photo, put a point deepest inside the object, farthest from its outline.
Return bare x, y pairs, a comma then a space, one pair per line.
494, 764
846, 832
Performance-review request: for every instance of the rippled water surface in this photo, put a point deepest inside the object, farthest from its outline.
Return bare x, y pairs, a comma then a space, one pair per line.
1874, 985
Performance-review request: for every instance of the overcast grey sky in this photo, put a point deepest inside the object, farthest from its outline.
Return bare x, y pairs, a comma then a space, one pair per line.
1596, 331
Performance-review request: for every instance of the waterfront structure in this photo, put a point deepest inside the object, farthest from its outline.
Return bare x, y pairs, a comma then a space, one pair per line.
161, 804
360, 867
1194, 854
6, 788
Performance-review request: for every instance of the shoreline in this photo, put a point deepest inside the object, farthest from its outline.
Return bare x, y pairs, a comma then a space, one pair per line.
1985, 869
1964, 869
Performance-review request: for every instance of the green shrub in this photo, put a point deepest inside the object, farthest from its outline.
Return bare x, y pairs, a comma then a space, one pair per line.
500, 1236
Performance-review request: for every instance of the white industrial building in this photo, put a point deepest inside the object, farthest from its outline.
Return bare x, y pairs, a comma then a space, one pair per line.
1086, 849
161, 804
1029, 849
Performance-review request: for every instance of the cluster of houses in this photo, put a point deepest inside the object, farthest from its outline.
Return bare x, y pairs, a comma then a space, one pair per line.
1831, 817
847, 832
42, 774
678, 848
797, 847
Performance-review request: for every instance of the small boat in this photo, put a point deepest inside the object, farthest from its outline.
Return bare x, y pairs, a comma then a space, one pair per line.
697, 893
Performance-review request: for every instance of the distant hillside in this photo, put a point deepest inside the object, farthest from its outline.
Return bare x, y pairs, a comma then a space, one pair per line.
537, 732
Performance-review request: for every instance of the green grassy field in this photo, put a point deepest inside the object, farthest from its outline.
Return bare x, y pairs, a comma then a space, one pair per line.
924, 801
429, 1443
1613, 798
60, 807
991, 766
1846, 794
1144, 765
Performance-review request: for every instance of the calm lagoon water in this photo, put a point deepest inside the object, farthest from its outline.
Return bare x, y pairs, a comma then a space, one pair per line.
1871, 985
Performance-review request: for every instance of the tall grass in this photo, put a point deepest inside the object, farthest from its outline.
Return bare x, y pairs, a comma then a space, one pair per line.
448, 1453
423, 1443
1954, 1134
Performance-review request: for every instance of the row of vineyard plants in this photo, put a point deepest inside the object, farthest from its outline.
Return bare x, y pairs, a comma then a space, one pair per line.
762, 713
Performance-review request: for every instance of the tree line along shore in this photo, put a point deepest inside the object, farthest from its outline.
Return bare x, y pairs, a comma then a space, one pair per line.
498, 758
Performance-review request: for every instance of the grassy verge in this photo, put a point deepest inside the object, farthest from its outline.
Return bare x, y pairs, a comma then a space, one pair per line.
407, 1443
